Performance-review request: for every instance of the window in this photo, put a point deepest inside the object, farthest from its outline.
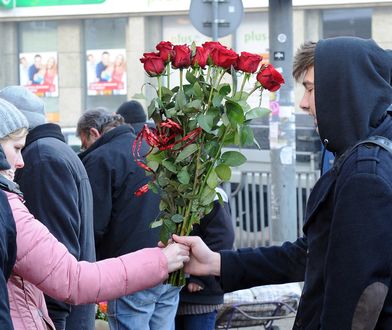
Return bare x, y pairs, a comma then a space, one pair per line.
347, 22
105, 51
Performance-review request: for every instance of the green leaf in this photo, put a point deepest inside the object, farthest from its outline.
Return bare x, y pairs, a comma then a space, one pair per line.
170, 166
183, 176
190, 77
180, 100
234, 113
186, 152
153, 165
217, 100
212, 148
163, 205
152, 108
233, 158
198, 92
247, 136
212, 180
205, 122
257, 113
223, 171
177, 218
207, 196
224, 89
156, 224
156, 155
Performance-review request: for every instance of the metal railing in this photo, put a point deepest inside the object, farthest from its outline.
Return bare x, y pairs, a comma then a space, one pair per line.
250, 200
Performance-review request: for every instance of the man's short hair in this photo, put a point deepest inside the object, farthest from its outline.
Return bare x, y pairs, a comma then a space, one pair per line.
303, 59
100, 119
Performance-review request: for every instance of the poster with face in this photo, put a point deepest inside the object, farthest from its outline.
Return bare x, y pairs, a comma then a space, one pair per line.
38, 72
106, 72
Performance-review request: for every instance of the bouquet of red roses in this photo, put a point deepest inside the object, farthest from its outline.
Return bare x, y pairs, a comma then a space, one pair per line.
194, 121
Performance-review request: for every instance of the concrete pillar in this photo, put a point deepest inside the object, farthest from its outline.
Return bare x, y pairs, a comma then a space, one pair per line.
381, 22
9, 63
71, 71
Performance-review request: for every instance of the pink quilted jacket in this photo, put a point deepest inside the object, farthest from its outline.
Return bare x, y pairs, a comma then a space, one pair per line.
43, 264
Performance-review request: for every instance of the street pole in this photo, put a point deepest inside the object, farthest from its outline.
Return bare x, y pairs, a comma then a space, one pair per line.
215, 19
282, 125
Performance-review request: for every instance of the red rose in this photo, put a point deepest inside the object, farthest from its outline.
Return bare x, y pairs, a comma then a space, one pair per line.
269, 78
165, 50
212, 45
224, 57
201, 57
182, 56
248, 62
153, 64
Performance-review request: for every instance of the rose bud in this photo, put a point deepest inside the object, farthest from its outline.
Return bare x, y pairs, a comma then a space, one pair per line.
248, 62
165, 50
182, 56
269, 78
153, 64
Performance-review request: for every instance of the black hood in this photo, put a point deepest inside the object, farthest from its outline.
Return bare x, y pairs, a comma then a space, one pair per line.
352, 89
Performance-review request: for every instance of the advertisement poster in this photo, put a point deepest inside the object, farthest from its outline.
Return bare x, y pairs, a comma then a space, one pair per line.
106, 72
38, 72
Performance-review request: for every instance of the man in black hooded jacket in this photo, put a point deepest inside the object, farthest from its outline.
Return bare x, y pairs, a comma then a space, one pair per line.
345, 255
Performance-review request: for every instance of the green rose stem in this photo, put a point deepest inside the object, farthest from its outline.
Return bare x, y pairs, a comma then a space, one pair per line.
168, 75
246, 78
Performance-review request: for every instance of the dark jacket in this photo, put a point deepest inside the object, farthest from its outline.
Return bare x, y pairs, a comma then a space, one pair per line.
58, 193
345, 256
7, 247
121, 220
216, 230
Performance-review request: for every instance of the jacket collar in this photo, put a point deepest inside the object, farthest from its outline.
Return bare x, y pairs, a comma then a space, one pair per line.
105, 138
9, 186
45, 130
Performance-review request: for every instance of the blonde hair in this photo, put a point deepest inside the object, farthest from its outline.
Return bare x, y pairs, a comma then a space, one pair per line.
19, 133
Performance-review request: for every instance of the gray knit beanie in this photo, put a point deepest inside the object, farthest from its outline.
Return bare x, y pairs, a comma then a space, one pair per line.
11, 119
27, 102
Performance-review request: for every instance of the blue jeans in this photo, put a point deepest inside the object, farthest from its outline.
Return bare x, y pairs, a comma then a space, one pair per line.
151, 309
196, 321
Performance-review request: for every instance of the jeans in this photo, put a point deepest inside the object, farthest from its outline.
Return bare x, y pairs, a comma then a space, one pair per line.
196, 321
151, 309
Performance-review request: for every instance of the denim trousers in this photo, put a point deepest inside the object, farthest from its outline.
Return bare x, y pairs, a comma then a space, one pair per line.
151, 309
196, 321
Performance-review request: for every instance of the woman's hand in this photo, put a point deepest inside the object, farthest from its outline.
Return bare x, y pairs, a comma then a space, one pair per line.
176, 255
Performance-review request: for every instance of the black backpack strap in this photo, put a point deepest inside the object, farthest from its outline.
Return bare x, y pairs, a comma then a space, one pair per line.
381, 141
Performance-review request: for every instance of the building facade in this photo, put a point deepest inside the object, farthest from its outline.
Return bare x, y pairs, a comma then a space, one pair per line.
55, 49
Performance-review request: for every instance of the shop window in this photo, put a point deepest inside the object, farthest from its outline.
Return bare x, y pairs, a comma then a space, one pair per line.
347, 22
105, 64
38, 63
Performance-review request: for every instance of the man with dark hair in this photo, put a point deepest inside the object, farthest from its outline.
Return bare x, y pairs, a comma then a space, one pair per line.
57, 191
134, 114
344, 257
121, 219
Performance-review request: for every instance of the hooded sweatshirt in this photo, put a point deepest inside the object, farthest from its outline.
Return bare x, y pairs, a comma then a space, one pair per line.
345, 255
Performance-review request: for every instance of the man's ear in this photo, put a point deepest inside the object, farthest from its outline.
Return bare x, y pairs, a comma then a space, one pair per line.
94, 133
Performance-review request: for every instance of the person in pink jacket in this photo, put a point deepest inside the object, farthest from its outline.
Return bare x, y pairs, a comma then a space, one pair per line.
44, 265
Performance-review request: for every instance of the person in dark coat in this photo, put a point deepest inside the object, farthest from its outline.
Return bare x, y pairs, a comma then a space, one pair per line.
58, 193
122, 219
134, 115
202, 296
345, 255
7, 242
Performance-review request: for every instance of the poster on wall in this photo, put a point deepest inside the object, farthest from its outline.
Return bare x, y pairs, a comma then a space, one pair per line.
38, 72
106, 72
